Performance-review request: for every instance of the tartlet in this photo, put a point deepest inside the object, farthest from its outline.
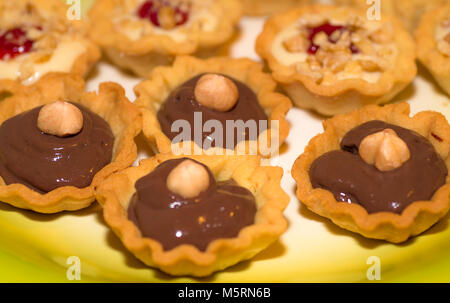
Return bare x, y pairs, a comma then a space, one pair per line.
110, 104
270, 7
37, 38
433, 44
417, 217
133, 35
262, 181
153, 93
333, 60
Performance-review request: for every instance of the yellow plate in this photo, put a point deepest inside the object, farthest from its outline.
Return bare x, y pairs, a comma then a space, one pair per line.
37, 248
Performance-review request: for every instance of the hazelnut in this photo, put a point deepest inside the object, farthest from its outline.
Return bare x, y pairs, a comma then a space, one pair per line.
384, 149
188, 179
166, 17
216, 92
61, 119
321, 39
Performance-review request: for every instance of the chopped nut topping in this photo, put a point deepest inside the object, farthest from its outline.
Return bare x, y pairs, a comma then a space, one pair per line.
334, 61
321, 39
166, 17
350, 49
296, 44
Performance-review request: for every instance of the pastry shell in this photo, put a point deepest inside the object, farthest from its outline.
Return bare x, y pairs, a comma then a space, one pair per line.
110, 103
396, 228
343, 95
82, 64
427, 52
151, 50
269, 7
153, 92
263, 181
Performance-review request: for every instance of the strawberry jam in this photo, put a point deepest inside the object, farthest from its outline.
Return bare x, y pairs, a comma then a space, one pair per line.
150, 10
13, 43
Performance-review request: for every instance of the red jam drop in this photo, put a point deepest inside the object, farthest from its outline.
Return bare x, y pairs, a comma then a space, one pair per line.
150, 9
13, 43
328, 29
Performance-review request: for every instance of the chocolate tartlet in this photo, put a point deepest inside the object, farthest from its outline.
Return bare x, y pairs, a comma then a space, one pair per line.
182, 105
378, 172
217, 90
46, 161
53, 153
196, 215
220, 211
352, 180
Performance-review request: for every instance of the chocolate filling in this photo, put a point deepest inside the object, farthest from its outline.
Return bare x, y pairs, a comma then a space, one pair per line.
219, 212
352, 180
181, 105
45, 162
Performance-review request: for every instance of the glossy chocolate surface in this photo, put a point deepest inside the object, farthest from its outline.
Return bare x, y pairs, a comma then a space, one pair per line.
181, 104
219, 212
45, 162
352, 180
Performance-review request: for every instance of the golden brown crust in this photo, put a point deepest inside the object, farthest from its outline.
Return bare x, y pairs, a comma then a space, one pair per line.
342, 95
153, 92
270, 7
153, 49
263, 181
427, 50
56, 11
417, 217
110, 103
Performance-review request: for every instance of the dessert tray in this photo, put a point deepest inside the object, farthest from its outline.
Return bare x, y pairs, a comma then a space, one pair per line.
37, 247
